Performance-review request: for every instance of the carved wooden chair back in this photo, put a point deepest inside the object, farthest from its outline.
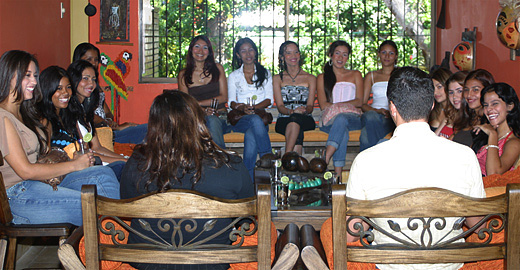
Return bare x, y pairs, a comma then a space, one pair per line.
426, 210
173, 210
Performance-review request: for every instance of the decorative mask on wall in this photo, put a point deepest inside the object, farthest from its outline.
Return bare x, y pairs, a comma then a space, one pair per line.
507, 23
463, 56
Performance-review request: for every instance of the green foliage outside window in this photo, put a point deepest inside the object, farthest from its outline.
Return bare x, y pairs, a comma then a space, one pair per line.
314, 24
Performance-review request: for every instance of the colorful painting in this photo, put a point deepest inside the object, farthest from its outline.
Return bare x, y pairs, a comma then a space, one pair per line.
114, 74
114, 21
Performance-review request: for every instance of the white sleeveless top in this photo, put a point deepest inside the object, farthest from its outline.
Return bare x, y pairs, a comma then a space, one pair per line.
379, 95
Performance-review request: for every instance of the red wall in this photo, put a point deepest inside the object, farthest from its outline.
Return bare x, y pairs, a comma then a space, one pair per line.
490, 53
136, 108
461, 14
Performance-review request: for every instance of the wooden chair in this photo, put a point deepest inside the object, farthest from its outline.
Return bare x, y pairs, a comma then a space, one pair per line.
10, 232
421, 206
178, 204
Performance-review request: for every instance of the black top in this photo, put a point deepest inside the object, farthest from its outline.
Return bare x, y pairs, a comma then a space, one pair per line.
62, 138
226, 182
206, 91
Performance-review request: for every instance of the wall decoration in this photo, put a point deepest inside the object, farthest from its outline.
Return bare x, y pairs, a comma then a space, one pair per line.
114, 21
463, 55
114, 74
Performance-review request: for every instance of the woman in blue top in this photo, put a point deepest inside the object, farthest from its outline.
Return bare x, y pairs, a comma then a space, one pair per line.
340, 88
250, 81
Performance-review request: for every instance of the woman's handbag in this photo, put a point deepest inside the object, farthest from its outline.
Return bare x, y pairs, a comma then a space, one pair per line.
234, 116
330, 113
55, 155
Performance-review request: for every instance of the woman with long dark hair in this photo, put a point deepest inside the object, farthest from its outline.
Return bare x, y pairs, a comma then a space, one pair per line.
124, 133
502, 114
376, 120
24, 139
205, 80
294, 90
250, 82
179, 153
78, 117
437, 116
340, 93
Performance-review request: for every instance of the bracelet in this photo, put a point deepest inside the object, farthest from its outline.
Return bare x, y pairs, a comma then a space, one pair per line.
492, 146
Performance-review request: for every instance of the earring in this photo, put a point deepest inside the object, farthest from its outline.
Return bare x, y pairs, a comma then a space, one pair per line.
330, 62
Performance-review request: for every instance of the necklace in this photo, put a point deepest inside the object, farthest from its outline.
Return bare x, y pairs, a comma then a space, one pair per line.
294, 79
501, 138
202, 78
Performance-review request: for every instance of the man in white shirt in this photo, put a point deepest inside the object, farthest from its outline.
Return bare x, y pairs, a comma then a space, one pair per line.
414, 157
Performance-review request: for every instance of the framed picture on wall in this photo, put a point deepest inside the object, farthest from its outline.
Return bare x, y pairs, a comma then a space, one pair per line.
114, 21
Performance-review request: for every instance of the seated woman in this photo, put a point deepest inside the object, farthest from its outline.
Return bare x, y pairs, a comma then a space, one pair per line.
250, 81
124, 133
206, 81
476, 81
376, 120
500, 104
294, 91
437, 116
78, 117
340, 94
185, 158
456, 119
23, 140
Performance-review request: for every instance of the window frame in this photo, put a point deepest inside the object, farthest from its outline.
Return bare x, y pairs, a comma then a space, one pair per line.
167, 80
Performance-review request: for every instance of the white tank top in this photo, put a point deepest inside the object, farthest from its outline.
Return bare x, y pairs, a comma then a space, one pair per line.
379, 95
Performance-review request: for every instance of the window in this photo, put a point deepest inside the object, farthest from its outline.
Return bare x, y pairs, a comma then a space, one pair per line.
167, 27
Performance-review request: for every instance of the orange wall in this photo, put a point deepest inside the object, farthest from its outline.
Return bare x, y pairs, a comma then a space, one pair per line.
461, 14
136, 108
490, 53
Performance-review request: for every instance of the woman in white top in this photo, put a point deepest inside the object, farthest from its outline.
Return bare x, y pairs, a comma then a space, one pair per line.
250, 82
340, 94
376, 119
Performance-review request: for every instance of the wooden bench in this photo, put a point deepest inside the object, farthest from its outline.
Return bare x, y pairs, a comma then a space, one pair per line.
313, 138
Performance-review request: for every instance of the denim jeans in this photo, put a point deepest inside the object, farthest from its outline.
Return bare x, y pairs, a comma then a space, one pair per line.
339, 135
375, 127
256, 137
35, 202
134, 134
217, 128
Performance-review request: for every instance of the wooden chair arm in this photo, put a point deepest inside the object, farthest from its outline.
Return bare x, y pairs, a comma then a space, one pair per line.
287, 248
313, 254
68, 251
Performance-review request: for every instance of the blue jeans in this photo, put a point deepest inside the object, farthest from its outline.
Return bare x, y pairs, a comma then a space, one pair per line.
375, 127
339, 135
35, 202
256, 137
134, 135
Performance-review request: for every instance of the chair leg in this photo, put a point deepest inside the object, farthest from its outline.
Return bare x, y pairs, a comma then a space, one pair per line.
3, 250
11, 254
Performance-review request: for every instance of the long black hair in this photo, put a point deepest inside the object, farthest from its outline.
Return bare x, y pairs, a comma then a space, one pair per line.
14, 65
281, 55
83, 48
329, 78
260, 72
77, 111
210, 67
50, 80
506, 93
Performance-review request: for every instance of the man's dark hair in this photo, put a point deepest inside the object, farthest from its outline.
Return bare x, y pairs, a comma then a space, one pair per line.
411, 91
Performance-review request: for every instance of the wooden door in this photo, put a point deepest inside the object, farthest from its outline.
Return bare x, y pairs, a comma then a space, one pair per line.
39, 27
